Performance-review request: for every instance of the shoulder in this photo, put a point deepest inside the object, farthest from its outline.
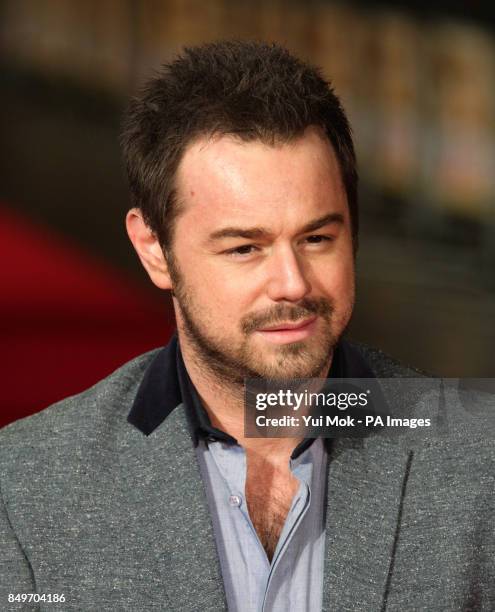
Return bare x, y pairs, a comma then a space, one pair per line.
383, 365
103, 406
462, 420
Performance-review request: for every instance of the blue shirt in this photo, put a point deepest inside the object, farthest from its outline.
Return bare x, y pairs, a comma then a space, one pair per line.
293, 581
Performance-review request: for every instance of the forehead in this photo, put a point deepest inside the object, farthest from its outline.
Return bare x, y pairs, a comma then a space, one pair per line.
226, 179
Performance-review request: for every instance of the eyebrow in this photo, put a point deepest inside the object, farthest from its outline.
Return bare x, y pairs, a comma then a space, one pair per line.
251, 233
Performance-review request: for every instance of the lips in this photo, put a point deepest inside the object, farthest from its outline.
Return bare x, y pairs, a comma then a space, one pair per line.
290, 331
288, 326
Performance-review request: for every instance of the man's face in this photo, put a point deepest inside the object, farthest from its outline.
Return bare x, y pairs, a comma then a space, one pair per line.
263, 265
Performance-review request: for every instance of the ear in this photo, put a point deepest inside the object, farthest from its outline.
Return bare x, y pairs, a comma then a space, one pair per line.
148, 248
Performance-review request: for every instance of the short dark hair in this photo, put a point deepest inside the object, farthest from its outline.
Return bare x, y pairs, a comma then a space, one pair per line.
253, 90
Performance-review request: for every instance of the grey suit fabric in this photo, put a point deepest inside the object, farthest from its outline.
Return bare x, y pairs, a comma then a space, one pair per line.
116, 520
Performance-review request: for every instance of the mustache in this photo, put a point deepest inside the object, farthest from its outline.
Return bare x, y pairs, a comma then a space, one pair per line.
283, 312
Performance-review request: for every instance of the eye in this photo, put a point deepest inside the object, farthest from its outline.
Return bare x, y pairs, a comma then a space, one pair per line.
243, 250
318, 239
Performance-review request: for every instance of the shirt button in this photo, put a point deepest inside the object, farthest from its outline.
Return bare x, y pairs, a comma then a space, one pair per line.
235, 500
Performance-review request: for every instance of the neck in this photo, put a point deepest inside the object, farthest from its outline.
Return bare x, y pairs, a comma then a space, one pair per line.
223, 401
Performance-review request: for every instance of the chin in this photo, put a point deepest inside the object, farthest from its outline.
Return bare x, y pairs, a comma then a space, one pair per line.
287, 368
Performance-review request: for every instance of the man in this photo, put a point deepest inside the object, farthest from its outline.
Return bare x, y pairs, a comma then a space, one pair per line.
144, 492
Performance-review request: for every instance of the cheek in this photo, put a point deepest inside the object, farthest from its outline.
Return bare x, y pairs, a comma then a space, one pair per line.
347, 280
342, 294
347, 289
223, 297
337, 280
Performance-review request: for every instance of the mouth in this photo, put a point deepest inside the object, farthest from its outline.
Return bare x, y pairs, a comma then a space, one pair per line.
291, 331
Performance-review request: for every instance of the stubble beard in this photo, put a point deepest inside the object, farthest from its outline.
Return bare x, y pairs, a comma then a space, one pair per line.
231, 364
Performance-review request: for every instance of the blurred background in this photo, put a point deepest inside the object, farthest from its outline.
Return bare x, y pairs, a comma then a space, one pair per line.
418, 82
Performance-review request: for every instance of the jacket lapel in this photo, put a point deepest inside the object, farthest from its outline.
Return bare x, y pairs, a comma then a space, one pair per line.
178, 545
366, 484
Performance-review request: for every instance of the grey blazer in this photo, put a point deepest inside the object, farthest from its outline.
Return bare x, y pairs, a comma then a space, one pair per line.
93, 509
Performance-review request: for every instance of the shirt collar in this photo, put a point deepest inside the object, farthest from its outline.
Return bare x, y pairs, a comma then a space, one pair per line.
166, 384
198, 418
159, 392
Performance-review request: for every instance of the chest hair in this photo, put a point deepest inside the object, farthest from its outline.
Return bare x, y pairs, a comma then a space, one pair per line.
269, 495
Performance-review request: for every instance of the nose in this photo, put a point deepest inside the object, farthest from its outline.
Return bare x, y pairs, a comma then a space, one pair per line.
287, 277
